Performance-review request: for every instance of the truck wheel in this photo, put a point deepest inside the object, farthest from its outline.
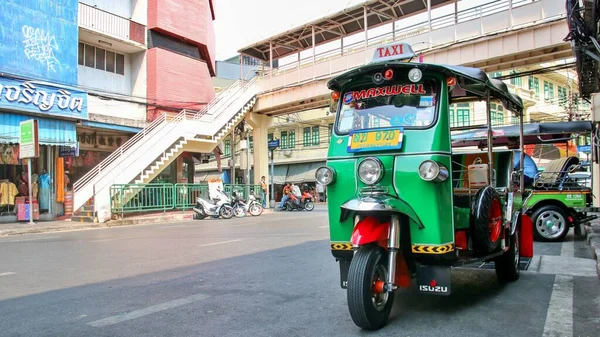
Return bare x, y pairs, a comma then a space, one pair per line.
368, 303
507, 265
486, 220
550, 223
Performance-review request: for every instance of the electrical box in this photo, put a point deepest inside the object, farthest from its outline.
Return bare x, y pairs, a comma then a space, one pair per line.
243, 144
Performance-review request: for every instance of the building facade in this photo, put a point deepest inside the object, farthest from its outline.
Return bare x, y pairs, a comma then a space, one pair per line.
94, 73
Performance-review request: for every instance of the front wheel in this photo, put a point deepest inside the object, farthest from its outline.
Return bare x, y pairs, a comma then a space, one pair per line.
309, 206
368, 303
239, 211
226, 212
255, 209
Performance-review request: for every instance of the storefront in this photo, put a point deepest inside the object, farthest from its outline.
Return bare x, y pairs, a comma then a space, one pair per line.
57, 110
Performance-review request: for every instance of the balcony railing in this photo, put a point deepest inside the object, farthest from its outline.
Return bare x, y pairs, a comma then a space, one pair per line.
95, 19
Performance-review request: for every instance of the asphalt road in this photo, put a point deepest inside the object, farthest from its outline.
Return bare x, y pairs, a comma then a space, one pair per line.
264, 276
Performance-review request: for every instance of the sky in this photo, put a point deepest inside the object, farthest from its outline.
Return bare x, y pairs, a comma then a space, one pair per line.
239, 23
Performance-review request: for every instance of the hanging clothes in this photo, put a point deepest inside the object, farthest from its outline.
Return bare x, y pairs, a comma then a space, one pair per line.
44, 199
60, 179
8, 192
35, 185
23, 185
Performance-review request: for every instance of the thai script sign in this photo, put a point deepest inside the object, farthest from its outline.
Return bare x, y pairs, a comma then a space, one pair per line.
44, 99
100, 142
39, 39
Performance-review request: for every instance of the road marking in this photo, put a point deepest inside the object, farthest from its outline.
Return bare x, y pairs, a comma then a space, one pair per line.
175, 226
568, 247
147, 311
246, 224
37, 239
7, 273
327, 226
113, 239
559, 319
220, 243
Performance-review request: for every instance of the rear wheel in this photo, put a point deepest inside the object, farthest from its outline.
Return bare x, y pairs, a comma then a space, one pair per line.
550, 223
368, 303
255, 209
486, 220
507, 265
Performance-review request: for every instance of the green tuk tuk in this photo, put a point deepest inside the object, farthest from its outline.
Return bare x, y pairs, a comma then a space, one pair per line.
401, 203
560, 197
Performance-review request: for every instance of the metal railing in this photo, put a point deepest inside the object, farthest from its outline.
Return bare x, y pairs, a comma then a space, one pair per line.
100, 20
165, 197
337, 60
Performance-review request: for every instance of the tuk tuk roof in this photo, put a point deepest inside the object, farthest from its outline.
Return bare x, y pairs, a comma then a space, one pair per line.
533, 133
474, 81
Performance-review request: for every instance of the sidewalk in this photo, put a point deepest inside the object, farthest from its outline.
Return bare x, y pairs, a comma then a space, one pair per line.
593, 239
7, 229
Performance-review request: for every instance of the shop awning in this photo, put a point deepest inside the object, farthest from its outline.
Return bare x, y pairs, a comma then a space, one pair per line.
304, 172
51, 131
279, 174
108, 126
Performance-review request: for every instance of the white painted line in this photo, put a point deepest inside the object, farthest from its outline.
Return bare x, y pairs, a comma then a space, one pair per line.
36, 239
147, 311
568, 247
113, 239
327, 226
7, 273
246, 224
559, 319
175, 226
220, 243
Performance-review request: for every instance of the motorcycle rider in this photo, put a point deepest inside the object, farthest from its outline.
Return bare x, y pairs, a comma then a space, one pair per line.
285, 197
297, 193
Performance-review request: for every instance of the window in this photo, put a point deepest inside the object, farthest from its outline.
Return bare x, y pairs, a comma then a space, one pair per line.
562, 96
515, 81
270, 136
315, 135
497, 114
101, 59
451, 119
306, 137
376, 122
284, 140
292, 139
534, 85
514, 120
251, 141
463, 117
495, 74
80, 52
227, 147
548, 91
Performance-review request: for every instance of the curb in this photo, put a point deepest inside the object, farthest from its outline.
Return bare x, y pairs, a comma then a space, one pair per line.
593, 239
73, 226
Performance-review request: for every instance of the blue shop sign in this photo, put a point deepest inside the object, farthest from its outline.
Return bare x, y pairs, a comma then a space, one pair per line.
38, 98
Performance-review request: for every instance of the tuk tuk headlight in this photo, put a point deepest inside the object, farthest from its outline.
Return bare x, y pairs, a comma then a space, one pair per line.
370, 171
325, 175
430, 170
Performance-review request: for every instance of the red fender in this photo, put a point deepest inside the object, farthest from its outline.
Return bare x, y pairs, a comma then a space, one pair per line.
370, 230
526, 236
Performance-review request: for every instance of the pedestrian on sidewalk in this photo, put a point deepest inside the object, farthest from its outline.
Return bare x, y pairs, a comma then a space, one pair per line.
263, 185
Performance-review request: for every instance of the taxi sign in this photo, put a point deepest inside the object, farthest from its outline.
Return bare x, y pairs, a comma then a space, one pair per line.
393, 51
375, 140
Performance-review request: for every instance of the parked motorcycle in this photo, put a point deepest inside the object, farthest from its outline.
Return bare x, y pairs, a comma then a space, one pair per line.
240, 207
304, 203
219, 206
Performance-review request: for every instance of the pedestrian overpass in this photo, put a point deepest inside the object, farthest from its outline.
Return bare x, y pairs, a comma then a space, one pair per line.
497, 35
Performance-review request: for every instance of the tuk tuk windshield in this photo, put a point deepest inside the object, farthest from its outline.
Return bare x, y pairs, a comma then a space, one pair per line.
406, 105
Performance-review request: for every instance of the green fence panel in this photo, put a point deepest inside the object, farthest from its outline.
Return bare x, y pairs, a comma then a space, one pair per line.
186, 194
129, 198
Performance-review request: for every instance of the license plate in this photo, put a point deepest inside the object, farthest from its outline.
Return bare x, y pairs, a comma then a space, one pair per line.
385, 139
